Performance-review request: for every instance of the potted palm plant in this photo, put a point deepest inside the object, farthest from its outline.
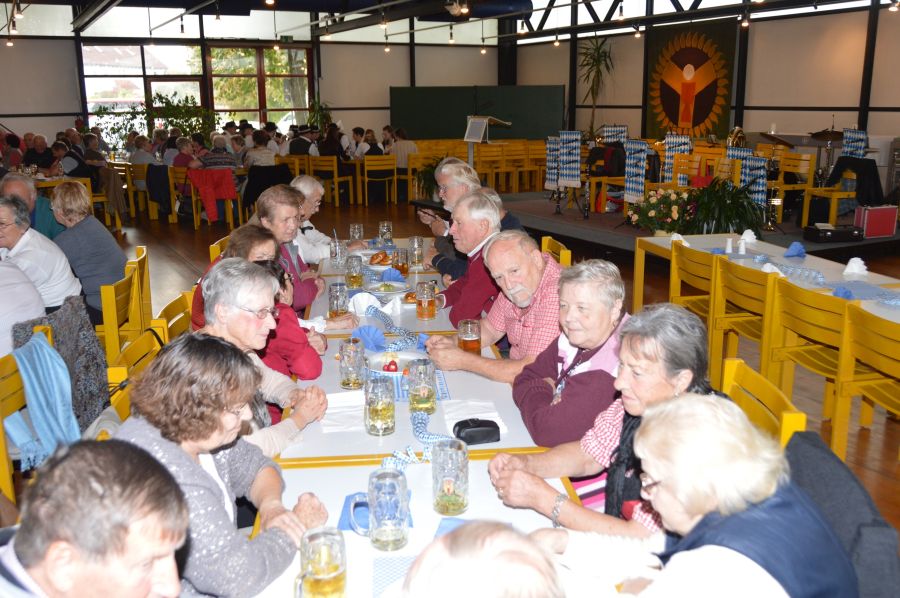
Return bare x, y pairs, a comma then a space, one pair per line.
723, 207
596, 61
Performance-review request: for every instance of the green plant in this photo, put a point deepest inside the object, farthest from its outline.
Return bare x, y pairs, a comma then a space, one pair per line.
723, 207
596, 61
425, 183
319, 113
663, 209
117, 121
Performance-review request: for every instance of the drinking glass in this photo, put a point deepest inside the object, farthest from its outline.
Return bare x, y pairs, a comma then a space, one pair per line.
422, 386
400, 261
337, 299
354, 272
323, 569
416, 250
468, 336
450, 476
338, 253
386, 232
388, 504
426, 308
352, 366
356, 232
380, 406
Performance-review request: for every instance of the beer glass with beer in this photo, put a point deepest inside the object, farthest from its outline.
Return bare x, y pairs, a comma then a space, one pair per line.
352, 366
337, 299
354, 274
450, 476
422, 386
426, 307
356, 232
468, 336
400, 261
323, 569
386, 232
416, 250
379, 414
388, 503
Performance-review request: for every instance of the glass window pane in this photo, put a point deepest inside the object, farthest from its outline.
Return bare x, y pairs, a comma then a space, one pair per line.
111, 60
251, 116
45, 20
233, 61
172, 60
285, 119
287, 61
108, 91
182, 88
286, 92
235, 93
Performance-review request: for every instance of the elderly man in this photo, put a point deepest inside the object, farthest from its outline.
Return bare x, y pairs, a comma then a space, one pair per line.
28, 140
76, 141
219, 158
455, 179
42, 261
21, 302
571, 381
278, 208
527, 312
71, 163
305, 142
99, 519
40, 214
475, 221
314, 246
39, 155
101, 143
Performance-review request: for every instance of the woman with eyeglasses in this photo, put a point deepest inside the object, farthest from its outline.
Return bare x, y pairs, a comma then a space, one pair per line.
240, 307
189, 407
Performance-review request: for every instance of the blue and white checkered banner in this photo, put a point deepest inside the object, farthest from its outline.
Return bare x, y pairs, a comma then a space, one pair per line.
854, 143
570, 158
675, 144
635, 169
551, 176
614, 133
753, 175
738, 153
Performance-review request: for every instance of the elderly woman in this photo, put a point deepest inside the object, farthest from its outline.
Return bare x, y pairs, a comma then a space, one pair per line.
572, 380
259, 154
240, 308
189, 406
185, 157
93, 253
662, 354
219, 157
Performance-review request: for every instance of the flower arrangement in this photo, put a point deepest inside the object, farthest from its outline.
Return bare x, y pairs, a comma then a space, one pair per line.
662, 210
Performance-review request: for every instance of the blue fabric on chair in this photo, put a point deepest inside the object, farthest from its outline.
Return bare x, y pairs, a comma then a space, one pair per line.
48, 395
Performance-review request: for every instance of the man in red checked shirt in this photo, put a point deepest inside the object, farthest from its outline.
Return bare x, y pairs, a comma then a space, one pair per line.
527, 312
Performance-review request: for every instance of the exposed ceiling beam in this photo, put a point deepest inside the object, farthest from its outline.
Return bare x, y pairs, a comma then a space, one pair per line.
391, 13
91, 13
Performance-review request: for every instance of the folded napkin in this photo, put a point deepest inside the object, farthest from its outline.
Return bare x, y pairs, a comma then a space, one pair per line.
796, 249
749, 236
772, 268
371, 336
677, 237
360, 302
843, 293
345, 413
855, 266
392, 275
717, 251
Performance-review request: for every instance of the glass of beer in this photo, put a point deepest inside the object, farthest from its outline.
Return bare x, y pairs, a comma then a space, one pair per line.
323, 569
426, 307
468, 336
379, 414
422, 386
450, 476
386, 232
388, 503
337, 299
400, 261
352, 356
356, 232
354, 274
416, 250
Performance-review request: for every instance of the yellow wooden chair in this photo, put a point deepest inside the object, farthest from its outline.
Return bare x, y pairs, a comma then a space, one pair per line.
765, 405
729, 169
137, 198
803, 166
682, 164
218, 248
833, 194
414, 163
874, 342
488, 160
178, 181
770, 151
537, 158
175, 318
292, 161
523, 175
125, 172
380, 169
559, 252
325, 168
142, 263
133, 360
709, 158
123, 319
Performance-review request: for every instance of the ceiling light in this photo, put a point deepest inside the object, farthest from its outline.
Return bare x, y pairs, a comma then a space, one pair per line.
483, 49
464, 8
451, 40
17, 11
384, 22
895, 6
326, 36
522, 28
556, 41
12, 27
387, 47
9, 42
182, 24
270, 2
218, 14
621, 13
745, 22
276, 47
637, 32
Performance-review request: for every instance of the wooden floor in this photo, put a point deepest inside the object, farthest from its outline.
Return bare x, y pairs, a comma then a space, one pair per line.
179, 255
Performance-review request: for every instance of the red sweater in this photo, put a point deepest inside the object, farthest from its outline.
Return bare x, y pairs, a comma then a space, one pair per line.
198, 320
473, 293
288, 350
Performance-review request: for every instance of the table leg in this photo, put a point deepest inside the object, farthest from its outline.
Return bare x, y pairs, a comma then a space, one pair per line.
637, 290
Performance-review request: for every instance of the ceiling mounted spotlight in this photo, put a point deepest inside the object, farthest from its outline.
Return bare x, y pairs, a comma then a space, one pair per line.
464, 7
182, 24
17, 11
270, 2
12, 27
621, 13
637, 31
556, 41
9, 42
218, 14
522, 28
745, 22
451, 40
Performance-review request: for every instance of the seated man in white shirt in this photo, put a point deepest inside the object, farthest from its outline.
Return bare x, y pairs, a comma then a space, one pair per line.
361, 147
314, 245
42, 261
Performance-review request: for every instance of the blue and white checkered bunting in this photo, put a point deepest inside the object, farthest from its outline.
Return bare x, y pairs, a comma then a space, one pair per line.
551, 176
635, 169
854, 143
753, 175
614, 133
675, 144
570, 158
738, 153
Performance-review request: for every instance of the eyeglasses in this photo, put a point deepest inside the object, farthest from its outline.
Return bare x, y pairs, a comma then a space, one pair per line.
648, 483
261, 313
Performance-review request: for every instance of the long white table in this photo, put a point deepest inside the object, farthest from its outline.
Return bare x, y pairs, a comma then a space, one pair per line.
326, 268
374, 573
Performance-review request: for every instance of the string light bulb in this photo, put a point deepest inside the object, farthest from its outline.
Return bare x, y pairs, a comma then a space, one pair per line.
621, 13
270, 2
451, 40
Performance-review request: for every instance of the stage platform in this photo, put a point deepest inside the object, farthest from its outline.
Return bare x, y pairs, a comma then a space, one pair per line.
535, 211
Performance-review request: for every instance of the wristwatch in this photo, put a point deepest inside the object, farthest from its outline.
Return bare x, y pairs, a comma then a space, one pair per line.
557, 506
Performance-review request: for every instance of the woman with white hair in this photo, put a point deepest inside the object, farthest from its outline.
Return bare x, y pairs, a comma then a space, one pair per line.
568, 384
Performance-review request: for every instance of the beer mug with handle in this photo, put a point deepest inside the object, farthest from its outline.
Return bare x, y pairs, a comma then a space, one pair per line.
388, 504
323, 570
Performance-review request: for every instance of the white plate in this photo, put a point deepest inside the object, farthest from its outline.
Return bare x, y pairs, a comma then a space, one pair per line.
366, 255
377, 361
396, 287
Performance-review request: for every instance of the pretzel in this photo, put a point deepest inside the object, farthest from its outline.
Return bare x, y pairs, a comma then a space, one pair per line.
379, 258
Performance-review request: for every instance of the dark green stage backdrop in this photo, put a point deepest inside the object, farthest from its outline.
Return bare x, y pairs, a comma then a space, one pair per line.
535, 111
689, 78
